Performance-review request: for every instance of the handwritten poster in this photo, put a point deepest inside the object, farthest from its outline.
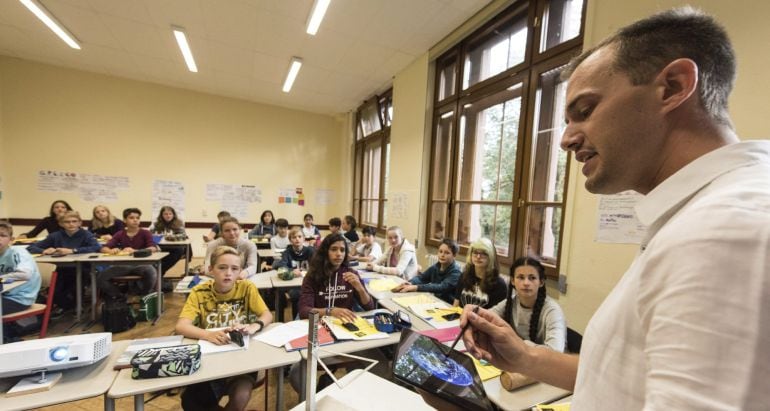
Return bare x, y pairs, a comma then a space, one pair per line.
324, 196
89, 187
617, 222
399, 205
168, 193
234, 198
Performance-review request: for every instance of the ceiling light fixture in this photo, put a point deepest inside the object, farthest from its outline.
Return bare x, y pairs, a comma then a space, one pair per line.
181, 40
47, 18
319, 9
296, 63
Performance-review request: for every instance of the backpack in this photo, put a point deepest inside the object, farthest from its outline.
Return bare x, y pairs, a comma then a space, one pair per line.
117, 315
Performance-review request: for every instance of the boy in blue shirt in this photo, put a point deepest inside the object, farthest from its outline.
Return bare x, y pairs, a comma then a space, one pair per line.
16, 264
71, 239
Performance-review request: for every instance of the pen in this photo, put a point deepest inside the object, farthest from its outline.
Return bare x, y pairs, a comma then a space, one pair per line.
462, 331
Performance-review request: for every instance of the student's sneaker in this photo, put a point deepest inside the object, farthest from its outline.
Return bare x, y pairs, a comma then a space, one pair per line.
57, 312
167, 286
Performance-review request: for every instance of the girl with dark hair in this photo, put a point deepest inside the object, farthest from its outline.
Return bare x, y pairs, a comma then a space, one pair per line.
481, 283
266, 227
167, 222
51, 222
349, 227
331, 285
530, 312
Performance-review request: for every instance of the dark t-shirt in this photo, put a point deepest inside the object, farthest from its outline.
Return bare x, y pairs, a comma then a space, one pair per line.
475, 295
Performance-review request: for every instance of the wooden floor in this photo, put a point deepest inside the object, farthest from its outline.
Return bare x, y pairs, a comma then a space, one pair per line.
164, 326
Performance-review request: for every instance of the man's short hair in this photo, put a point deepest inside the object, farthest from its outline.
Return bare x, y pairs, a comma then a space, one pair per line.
335, 221
70, 214
132, 210
281, 223
645, 47
5, 225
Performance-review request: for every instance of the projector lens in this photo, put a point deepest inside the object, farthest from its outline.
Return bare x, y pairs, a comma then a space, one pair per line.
58, 353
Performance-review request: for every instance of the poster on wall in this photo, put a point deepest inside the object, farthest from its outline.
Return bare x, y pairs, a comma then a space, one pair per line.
234, 198
616, 219
399, 204
167, 193
291, 196
95, 188
324, 196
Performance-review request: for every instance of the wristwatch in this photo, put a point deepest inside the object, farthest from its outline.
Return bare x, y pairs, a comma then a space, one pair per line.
261, 325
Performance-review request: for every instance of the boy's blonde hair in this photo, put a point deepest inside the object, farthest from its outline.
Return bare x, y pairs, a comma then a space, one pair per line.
223, 250
5, 225
69, 214
296, 231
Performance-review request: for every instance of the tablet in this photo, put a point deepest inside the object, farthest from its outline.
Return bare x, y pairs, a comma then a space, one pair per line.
422, 362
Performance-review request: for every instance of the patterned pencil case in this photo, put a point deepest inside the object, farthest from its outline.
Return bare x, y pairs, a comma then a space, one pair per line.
166, 361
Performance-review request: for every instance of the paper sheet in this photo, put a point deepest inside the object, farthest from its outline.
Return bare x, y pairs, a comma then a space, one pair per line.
382, 284
486, 371
280, 335
409, 300
211, 348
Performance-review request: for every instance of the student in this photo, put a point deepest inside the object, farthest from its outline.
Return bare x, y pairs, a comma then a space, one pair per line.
132, 238
441, 278
266, 227
399, 259
480, 283
686, 326
214, 233
296, 258
335, 225
349, 227
51, 222
16, 264
168, 223
71, 239
367, 249
280, 240
308, 229
531, 313
231, 237
332, 288
213, 309
103, 224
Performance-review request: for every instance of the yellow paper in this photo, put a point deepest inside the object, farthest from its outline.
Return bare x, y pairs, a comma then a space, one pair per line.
433, 311
364, 328
486, 372
409, 300
382, 284
554, 407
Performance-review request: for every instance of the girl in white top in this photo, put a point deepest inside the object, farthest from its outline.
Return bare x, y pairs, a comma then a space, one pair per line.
530, 312
399, 259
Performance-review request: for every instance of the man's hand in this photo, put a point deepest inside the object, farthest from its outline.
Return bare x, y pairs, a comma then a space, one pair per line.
490, 338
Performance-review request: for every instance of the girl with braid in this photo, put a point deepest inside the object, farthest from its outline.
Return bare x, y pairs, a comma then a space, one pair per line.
530, 312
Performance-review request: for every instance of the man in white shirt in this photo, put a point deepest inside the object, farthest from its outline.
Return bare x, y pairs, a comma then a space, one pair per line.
688, 325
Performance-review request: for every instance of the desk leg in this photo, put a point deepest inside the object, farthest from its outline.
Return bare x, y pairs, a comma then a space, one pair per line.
79, 291
303, 379
278, 308
139, 402
160, 292
279, 390
109, 403
93, 292
187, 258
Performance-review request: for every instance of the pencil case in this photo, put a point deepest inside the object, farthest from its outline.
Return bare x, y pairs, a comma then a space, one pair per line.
388, 323
166, 361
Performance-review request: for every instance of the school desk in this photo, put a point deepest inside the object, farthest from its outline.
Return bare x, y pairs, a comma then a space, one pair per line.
178, 244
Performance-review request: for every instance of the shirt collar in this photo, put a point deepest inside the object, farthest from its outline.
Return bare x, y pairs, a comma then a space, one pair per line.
683, 184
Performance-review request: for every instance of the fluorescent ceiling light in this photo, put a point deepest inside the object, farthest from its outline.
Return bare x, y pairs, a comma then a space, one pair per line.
296, 63
46, 17
319, 9
181, 40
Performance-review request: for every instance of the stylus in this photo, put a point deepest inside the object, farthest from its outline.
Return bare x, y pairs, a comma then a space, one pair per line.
452, 347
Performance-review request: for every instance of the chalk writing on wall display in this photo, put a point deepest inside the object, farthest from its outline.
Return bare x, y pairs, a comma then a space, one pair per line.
168, 193
291, 196
89, 187
399, 205
234, 198
616, 219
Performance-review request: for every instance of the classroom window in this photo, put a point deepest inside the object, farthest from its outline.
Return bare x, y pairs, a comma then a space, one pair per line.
371, 160
496, 169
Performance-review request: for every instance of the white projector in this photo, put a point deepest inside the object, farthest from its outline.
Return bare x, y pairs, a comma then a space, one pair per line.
50, 354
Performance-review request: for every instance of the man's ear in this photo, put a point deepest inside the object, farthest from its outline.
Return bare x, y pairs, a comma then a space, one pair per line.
677, 83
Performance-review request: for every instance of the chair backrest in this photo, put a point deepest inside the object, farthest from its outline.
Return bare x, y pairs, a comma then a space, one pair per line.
46, 269
574, 341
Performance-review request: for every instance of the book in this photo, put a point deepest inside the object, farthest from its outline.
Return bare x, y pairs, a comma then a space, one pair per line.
438, 314
124, 361
324, 338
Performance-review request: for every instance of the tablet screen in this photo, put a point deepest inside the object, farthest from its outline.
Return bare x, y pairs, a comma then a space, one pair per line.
422, 362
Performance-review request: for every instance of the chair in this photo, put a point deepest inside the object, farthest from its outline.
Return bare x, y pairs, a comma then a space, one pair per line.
37, 309
574, 341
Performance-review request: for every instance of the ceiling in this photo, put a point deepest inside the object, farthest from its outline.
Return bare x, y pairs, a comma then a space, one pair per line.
242, 47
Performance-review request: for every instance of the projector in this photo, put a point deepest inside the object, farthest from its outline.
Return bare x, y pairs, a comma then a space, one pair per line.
51, 354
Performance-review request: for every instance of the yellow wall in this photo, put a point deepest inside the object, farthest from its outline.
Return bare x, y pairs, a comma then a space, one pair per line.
2, 156
62, 119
